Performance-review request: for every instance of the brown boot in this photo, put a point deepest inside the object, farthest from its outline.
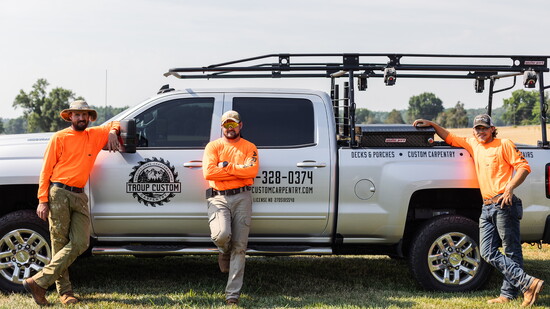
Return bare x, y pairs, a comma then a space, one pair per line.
68, 298
37, 292
499, 300
223, 262
532, 293
232, 302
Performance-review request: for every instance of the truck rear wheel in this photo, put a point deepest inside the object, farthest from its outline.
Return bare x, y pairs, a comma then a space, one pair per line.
24, 248
445, 256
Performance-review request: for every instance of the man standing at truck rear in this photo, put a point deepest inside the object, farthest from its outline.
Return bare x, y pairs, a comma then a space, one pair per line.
500, 168
230, 165
68, 160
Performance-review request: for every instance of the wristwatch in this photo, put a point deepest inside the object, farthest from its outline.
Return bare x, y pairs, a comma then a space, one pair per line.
225, 163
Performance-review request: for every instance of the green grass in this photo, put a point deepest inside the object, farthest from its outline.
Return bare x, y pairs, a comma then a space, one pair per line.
270, 282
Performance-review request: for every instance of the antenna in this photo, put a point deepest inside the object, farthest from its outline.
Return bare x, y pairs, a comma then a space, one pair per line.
105, 110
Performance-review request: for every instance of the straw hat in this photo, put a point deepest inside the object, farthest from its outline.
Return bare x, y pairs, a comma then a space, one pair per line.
81, 106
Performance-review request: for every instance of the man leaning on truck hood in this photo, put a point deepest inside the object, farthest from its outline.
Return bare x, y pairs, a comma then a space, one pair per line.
230, 165
495, 162
68, 160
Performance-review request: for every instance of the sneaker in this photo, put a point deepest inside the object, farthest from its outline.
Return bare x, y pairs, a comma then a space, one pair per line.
532, 293
38, 293
223, 262
499, 300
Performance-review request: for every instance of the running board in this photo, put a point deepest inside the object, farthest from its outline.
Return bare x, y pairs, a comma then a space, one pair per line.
183, 250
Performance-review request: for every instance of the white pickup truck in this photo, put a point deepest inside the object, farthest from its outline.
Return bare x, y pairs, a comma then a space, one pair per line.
325, 186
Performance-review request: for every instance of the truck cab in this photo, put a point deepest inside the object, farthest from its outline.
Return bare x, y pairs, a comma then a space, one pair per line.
159, 190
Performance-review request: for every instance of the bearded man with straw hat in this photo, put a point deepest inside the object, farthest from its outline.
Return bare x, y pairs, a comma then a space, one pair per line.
68, 161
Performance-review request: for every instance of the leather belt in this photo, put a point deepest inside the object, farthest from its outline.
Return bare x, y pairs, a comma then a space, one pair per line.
492, 200
231, 191
69, 188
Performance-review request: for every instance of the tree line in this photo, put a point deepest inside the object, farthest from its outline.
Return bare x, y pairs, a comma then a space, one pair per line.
41, 111
522, 108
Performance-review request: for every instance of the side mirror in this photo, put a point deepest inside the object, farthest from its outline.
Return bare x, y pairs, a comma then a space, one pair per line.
128, 135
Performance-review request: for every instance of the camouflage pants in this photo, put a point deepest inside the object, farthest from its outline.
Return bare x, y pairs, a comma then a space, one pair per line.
69, 220
229, 219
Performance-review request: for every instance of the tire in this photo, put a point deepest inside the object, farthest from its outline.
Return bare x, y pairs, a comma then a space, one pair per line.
445, 255
24, 248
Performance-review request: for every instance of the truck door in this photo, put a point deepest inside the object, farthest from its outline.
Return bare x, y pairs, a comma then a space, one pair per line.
159, 190
292, 192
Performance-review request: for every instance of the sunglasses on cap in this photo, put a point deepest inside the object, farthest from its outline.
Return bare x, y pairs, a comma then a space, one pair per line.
230, 125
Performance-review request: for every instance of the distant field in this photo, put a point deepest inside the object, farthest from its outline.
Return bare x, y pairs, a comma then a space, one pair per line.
520, 135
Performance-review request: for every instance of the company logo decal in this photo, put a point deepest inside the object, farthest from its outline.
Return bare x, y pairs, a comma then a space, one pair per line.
153, 182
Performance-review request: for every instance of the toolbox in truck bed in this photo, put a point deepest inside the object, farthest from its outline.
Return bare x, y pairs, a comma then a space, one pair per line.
406, 135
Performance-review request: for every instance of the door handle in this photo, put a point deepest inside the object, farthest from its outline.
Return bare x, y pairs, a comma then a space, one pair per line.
192, 164
309, 163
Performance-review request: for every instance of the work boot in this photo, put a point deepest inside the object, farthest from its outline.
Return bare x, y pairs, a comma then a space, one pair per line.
37, 292
68, 298
499, 300
223, 262
232, 302
532, 293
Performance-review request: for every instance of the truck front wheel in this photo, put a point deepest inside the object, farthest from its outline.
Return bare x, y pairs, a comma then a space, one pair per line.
445, 256
24, 248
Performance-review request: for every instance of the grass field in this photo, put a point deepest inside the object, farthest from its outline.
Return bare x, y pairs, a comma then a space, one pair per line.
520, 135
270, 282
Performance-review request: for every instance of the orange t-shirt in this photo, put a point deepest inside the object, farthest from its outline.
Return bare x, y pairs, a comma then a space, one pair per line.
494, 162
70, 156
243, 166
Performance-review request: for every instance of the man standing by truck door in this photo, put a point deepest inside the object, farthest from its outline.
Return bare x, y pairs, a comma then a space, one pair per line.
68, 160
495, 162
230, 165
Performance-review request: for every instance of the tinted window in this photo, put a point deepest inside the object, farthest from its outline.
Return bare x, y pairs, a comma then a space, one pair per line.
273, 122
176, 123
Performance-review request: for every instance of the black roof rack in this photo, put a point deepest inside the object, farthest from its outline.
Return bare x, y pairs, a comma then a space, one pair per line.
291, 65
382, 65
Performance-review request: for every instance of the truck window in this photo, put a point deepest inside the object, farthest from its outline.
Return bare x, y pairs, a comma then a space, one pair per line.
276, 122
176, 123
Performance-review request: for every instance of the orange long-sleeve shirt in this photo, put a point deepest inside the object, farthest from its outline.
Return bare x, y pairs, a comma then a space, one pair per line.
494, 162
243, 166
70, 156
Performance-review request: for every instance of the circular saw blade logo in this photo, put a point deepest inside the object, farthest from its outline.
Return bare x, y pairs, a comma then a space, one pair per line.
153, 182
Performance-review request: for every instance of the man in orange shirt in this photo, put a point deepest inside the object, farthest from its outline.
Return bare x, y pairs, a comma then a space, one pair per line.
500, 168
230, 165
68, 160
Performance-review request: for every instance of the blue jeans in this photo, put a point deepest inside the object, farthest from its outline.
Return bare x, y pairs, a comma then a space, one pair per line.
500, 227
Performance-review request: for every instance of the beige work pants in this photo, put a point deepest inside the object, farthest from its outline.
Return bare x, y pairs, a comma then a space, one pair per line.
69, 220
229, 220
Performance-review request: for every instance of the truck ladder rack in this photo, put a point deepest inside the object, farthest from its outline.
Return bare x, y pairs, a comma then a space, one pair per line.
389, 66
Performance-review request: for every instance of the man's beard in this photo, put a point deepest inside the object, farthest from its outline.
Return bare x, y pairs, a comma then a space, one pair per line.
80, 125
231, 135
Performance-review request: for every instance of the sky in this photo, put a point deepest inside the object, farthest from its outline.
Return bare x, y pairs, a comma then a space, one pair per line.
115, 52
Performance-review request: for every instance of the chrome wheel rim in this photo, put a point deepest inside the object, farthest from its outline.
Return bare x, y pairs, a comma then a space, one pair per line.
454, 259
23, 253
